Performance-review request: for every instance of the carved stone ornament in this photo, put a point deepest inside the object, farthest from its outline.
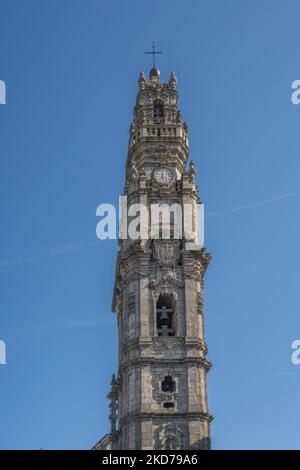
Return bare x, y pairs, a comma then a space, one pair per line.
166, 252
142, 80
162, 153
166, 284
192, 171
172, 81
159, 345
169, 437
199, 303
133, 175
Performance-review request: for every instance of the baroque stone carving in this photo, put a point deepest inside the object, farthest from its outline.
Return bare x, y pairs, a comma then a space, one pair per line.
142, 81
166, 345
166, 284
172, 81
133, 174
113, 397
166, 252
169, 437
192, 171
199, 303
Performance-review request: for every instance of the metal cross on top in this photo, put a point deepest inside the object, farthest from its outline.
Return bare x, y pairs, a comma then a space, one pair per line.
153, 53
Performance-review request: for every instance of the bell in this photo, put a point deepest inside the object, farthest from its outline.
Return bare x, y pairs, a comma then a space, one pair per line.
164, 318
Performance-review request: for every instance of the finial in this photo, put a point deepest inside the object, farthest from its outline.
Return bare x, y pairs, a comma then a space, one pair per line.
172, 81
142, 80
185, 126
192, 171
114, 404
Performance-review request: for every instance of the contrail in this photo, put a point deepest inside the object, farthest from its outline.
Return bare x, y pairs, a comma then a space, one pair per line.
251, 205
268, 376
264, 201
80, 246
54, 252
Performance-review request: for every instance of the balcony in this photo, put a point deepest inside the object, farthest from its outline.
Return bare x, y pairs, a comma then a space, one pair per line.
155, 132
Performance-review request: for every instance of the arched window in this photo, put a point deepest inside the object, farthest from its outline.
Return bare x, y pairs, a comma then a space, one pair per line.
165, 309
158, 111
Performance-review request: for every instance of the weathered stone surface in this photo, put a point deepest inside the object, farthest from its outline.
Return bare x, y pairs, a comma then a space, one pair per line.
158, 294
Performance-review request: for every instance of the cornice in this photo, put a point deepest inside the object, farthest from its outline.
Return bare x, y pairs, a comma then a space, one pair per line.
189, 415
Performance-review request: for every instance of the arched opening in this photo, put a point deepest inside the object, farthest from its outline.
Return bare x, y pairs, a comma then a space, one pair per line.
158, 111
165, 309
168, 384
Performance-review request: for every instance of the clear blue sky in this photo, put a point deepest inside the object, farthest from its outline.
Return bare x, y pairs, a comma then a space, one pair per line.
71, 69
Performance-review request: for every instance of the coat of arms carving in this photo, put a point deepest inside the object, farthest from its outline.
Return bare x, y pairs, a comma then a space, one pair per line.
166, 252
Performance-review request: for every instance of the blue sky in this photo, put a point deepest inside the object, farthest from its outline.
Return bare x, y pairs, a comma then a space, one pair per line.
71, 70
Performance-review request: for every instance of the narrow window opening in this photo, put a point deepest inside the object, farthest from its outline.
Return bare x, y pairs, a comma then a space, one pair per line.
169, 404
165, 309
168, 384
158, 112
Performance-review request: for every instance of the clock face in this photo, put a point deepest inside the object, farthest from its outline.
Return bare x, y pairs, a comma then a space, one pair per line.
164, 175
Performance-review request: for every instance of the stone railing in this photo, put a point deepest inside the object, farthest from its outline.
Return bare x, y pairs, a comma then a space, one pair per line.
158, 131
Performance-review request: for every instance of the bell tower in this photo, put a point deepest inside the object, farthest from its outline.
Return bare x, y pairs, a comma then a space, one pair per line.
158, 399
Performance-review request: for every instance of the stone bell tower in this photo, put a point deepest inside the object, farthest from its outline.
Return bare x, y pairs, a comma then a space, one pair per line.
158, 399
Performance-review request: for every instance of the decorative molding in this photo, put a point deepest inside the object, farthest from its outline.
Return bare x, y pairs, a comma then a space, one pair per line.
166, 344
166, 284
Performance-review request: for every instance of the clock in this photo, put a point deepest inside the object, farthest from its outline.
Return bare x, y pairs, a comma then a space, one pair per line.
164, 175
